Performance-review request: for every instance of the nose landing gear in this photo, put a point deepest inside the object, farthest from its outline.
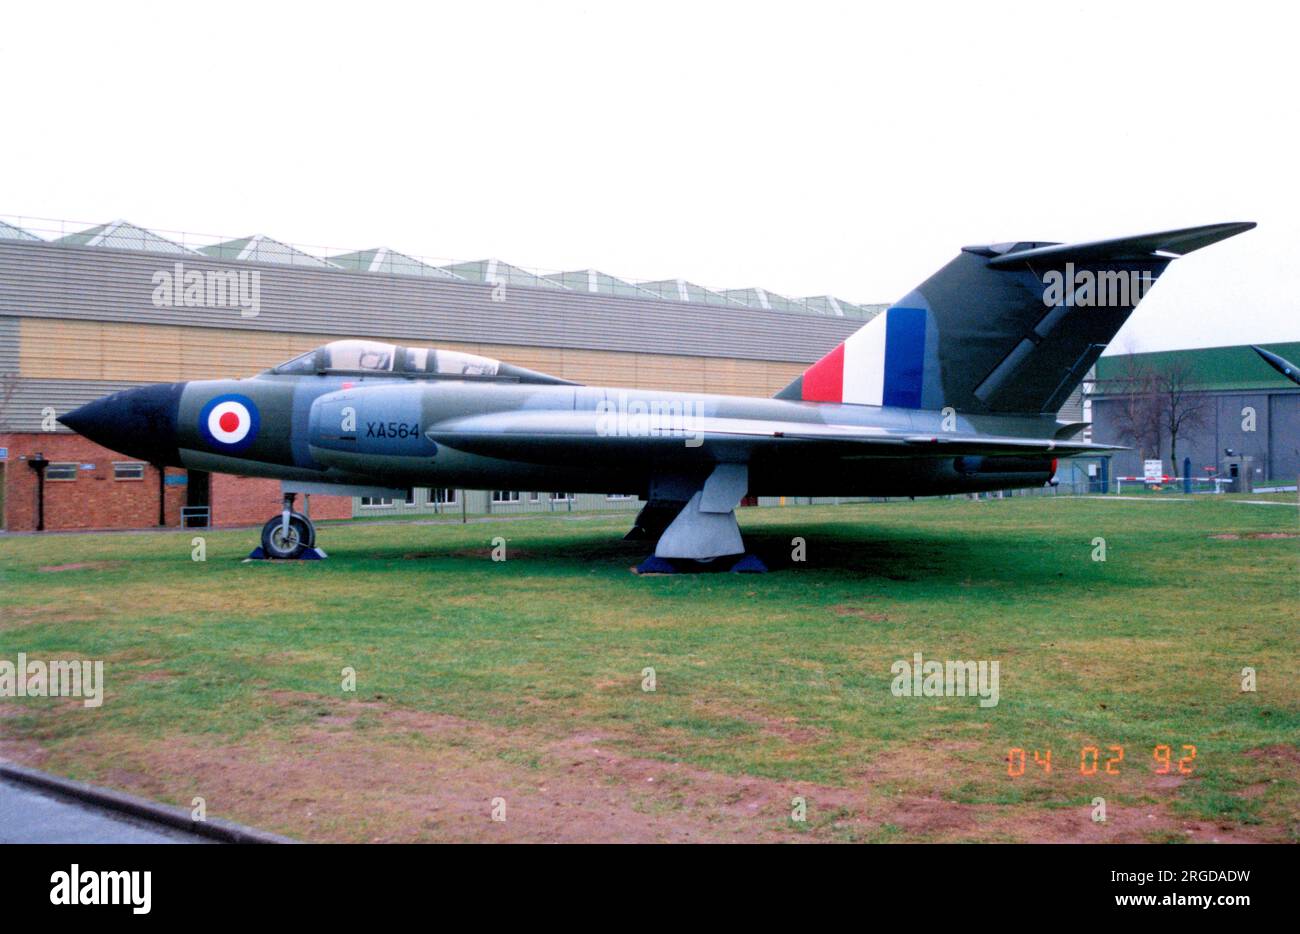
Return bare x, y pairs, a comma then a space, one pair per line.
288, 536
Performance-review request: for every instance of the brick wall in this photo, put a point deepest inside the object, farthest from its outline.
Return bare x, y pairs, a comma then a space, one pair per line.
253, 500
95, 500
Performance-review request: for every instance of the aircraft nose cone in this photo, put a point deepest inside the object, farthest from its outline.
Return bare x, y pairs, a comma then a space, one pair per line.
139, 423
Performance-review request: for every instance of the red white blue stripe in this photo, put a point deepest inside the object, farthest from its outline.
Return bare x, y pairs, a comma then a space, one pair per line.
883, 363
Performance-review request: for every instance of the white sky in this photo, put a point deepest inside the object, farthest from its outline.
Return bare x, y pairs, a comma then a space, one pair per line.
802, 147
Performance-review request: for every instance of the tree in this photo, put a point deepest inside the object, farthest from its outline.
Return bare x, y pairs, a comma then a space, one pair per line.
1182, 408
1137, 418
1157, 402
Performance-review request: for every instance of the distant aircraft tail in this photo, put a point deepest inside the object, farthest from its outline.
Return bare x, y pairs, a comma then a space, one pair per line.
1007, 328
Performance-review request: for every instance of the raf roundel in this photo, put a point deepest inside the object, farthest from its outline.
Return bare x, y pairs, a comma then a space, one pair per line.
229, 422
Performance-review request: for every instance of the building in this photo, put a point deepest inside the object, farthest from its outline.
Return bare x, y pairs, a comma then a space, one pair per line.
88, 310
1242, 416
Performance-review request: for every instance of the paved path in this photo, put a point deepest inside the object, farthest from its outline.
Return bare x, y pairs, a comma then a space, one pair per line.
30, 815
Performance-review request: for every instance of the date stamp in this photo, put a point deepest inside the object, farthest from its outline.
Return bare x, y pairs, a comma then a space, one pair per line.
1101, 760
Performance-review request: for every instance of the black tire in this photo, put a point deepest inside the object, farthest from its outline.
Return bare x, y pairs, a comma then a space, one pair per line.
302, 535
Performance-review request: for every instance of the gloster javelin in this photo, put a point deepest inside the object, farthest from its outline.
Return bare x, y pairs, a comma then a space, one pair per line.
953, 389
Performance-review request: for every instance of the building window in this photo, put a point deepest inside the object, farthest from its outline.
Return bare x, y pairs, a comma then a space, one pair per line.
374, 502
620, 496
561, 497
505, 496
61, 472
534, 497
442, 497
128, 470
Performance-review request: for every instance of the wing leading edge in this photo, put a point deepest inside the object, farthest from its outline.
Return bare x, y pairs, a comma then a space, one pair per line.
561, 435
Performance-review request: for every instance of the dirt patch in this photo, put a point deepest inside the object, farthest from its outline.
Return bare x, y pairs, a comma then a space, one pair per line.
789, 729
15, 616
1280, 752
1256, 536
856, 611
363, 770
12, 749
158, 674
436, 778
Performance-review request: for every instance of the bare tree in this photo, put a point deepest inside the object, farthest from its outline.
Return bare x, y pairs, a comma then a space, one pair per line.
1157, 402
1137, 417
1182, 408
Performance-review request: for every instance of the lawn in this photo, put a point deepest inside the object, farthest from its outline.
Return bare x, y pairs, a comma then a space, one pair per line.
515, 689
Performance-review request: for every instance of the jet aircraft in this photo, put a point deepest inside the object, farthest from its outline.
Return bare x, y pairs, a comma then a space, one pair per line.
953, 389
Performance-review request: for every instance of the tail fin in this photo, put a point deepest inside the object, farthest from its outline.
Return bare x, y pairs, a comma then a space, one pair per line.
1007, 328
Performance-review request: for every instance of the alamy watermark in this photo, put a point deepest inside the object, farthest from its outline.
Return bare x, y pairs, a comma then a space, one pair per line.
919, 678
650, 418
57, 678
215, 288
1084, 288
79, 886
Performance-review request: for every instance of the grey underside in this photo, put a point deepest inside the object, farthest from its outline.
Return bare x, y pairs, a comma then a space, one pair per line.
706, 526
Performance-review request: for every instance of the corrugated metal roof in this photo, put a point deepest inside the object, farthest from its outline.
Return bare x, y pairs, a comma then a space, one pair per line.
383, 260
263, 249
123, 235
57, 281
1211, 368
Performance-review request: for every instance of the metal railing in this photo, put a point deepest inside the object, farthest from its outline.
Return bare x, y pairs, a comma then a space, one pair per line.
196, 517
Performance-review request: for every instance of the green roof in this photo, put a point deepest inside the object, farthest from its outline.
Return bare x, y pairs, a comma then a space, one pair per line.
262, 249
680, 290
768, 301
1212, 368
596, 282
10, 232
382, 259
122, 235
839, 308
495, 272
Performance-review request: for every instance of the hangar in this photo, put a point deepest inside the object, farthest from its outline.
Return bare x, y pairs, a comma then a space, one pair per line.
1239, 418
86, 310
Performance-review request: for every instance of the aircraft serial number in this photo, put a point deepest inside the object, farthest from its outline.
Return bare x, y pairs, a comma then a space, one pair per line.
392, 429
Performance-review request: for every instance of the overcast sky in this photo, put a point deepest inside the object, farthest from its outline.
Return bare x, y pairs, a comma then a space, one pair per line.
801, 147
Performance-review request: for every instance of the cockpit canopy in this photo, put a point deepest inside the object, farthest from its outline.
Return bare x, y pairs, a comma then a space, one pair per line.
375, 357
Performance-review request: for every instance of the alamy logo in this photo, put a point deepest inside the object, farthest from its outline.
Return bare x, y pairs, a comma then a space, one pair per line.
57, 678
77, 887
216, 288
650, 418
920, 678
1084, 288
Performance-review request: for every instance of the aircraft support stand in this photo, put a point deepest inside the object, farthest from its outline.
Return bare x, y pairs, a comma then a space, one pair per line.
705, 529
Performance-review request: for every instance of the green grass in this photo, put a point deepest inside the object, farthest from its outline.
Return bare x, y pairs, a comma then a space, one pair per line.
782, 677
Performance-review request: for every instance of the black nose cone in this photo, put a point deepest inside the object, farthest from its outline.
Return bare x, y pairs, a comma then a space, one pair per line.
139, 423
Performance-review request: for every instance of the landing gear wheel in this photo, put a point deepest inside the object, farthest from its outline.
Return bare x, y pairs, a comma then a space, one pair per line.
302, 535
